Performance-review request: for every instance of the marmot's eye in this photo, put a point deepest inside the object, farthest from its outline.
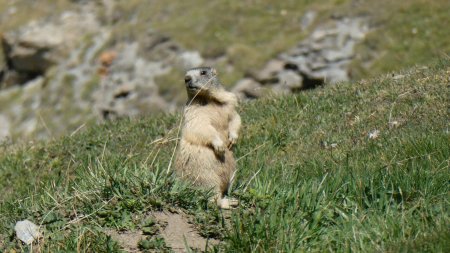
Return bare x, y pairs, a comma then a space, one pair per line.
203, 72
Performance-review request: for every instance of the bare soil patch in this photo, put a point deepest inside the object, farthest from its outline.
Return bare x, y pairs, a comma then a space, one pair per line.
128, 240
180, 234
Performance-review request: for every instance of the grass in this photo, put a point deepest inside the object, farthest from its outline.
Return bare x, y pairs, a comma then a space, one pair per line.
25, 11
309, 178
406, 33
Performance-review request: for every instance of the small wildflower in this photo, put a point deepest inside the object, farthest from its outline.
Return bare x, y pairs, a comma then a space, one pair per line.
374, 134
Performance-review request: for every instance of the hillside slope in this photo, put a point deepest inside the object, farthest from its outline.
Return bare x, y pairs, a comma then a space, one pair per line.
356, 166
143, 48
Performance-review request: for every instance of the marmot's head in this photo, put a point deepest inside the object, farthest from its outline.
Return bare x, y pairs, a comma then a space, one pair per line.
199, 80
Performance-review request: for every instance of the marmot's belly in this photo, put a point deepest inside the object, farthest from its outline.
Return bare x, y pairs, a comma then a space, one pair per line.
201, 165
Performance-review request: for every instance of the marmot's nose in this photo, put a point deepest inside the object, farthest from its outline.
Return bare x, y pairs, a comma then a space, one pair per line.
187, 79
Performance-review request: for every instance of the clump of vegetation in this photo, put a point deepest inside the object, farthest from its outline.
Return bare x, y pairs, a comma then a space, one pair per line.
356, 166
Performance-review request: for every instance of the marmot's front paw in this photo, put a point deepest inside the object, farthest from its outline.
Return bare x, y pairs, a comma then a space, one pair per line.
219, 146
232, 138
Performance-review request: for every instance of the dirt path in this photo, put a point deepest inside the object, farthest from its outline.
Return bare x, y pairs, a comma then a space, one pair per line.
128, 240
179, 230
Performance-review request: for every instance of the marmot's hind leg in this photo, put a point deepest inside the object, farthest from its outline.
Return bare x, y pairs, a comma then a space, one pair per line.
227, 203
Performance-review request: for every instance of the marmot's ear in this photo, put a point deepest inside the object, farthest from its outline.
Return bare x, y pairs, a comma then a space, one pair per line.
213, 71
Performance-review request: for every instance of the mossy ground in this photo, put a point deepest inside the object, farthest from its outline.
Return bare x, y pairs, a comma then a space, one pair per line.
309, 178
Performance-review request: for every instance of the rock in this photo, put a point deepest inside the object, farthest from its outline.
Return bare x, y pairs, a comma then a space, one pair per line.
290, 80
190, 59
268, 72
29, 58
128, 89
297, 62
27, 231
34, 48
159, 47
321, 33
323, 57
326, 54
247, 89
343, 53
307, 19
315, 66
331, 75
10, 78
358, 28
71, 70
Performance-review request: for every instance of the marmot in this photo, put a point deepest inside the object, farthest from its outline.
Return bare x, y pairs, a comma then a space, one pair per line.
210, 129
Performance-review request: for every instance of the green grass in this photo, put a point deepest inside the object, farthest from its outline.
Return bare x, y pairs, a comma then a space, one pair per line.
309, 177
407, 33
25, 11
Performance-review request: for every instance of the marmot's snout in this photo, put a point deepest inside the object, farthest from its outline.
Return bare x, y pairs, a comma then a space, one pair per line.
189, 82
187, 79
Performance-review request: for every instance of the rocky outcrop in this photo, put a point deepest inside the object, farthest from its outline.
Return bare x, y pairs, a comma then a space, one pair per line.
128, 88
323, 57
71, 74
326, 54
34, 48
58, 74
248, 88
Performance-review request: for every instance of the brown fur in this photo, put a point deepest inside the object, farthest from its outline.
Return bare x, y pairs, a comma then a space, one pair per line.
210, 128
